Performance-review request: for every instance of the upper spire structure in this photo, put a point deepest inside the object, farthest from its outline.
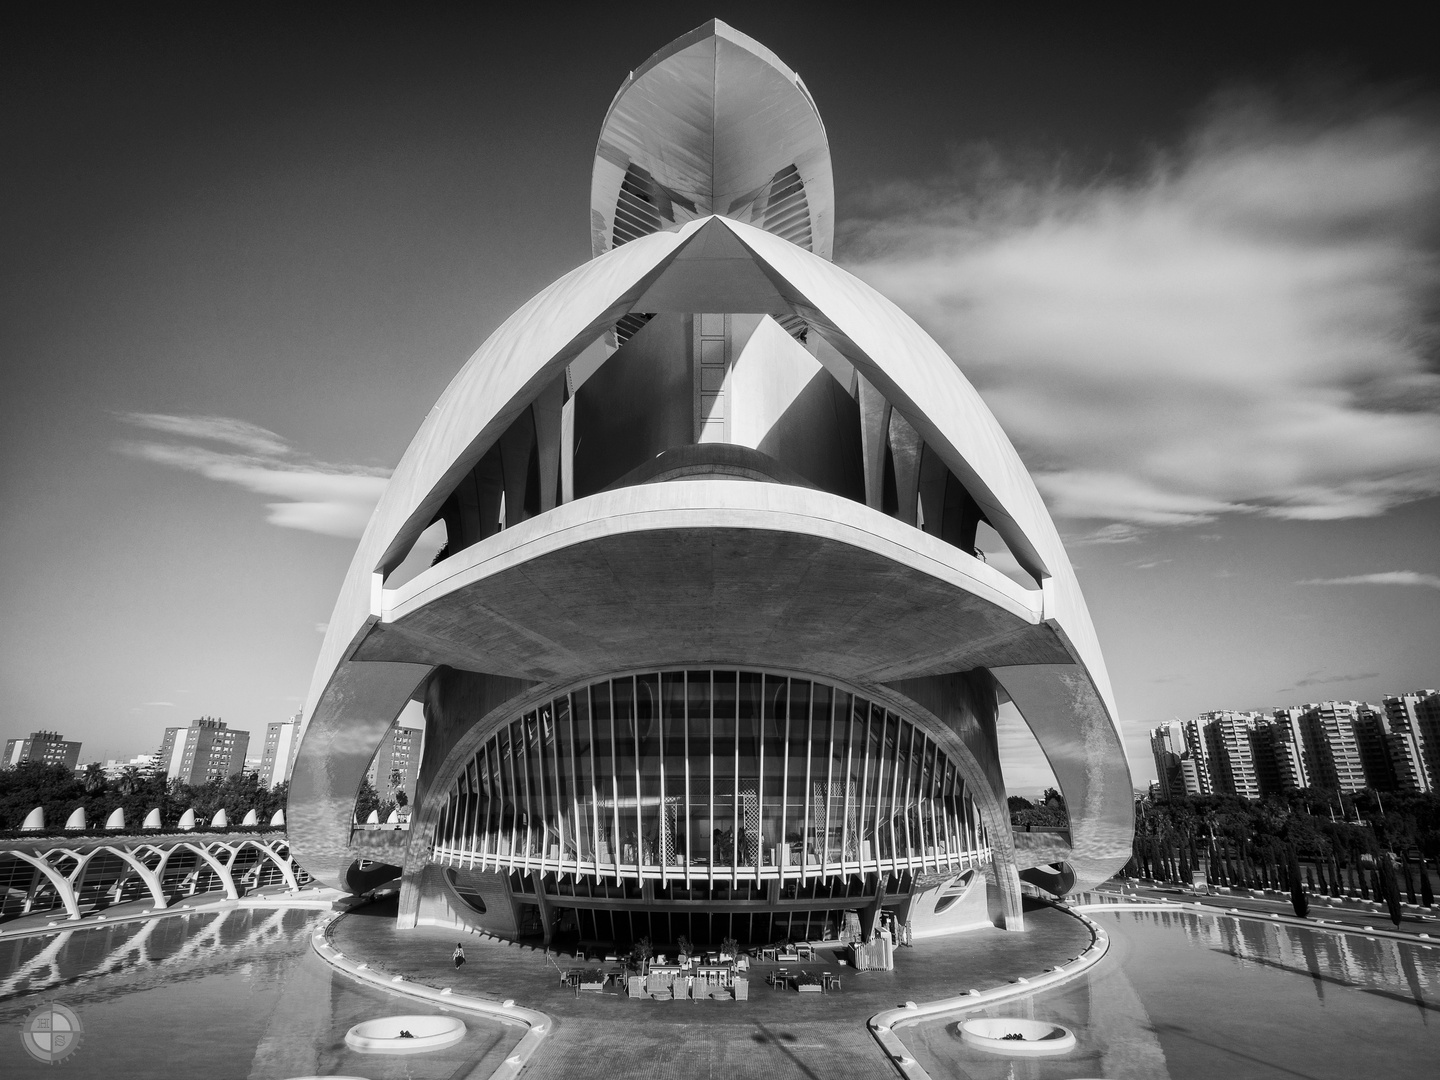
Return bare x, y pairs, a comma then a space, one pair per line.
714, 123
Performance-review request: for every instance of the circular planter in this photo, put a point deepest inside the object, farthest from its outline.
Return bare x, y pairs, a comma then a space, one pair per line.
382, 1036
1038, 1038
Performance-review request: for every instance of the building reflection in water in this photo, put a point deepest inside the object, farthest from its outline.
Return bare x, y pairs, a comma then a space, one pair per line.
148, 952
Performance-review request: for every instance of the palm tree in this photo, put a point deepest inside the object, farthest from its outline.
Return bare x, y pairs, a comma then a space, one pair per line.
129, 782
94, 778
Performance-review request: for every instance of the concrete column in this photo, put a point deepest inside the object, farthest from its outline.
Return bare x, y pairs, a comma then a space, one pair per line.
869, 916
543, 903
906, 448
454, 700
515, 447
874, 427
360, 703
931, 493
967, 703
567, 451
548, 409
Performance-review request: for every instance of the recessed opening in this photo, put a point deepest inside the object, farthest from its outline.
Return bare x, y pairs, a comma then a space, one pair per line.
991, 547
428, 548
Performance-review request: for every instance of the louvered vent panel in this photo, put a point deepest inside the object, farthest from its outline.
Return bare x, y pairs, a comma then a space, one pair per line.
787, 210
795, 326
636, 211
627, 326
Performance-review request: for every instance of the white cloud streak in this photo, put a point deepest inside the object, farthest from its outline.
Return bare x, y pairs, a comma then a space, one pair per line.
1248, 328
310, 495
1409, 578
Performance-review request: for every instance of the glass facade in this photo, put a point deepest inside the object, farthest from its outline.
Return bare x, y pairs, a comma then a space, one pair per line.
709, 776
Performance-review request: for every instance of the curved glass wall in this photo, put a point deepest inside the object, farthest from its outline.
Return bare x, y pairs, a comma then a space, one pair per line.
710, 775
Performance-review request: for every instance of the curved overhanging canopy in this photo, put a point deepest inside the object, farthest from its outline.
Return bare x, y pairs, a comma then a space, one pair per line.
712, 264
714, 123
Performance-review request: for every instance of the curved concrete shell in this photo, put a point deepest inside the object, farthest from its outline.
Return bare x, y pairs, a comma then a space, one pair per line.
708, 448
714, 123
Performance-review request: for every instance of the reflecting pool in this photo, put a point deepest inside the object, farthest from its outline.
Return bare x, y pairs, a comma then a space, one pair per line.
1184, 996
231, 993
238, 993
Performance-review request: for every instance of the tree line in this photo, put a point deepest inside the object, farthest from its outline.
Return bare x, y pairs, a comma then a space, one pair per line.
1377, 847
59, 791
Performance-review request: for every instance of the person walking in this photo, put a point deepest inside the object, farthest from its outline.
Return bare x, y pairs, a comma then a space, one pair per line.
459, 955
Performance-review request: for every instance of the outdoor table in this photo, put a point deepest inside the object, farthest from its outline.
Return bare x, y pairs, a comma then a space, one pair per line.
830, 980
805, 952
767, 954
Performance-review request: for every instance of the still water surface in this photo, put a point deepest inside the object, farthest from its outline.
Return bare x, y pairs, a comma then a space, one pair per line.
238, 993
1186, 997
235, 994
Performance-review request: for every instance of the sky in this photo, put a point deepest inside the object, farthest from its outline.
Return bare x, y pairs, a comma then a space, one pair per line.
1188, 259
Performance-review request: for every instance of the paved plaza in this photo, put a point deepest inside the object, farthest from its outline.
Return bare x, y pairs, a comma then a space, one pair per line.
775, 1034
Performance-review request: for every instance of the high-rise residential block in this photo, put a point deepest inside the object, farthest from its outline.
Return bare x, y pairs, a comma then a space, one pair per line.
282, 743
1331, 748
1227, 736
49, 747
1182, 759
1279, 749
1413, 722
399, 750
206, 750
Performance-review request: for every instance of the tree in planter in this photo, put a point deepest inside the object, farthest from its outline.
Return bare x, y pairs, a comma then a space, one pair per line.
1409, 881
396, 788
641, 953
1298, 900
1427, 895
1388, 887
730, 946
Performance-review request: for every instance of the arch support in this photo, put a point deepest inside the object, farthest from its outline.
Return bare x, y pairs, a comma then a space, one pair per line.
283, 865
231, 892
966, 703
58, 880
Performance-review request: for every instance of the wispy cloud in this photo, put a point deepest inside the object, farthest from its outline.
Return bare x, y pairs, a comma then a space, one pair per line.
1114, 533
1384, 577
1322, 680
1246, 328
157, 704
311, 495
223, 429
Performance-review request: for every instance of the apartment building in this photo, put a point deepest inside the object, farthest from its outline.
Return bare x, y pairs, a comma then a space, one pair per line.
282, 743
49, 747
1232, 758
1413, 733
400, 749
1278, 745
1182, 759
1331, 747
206, 750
